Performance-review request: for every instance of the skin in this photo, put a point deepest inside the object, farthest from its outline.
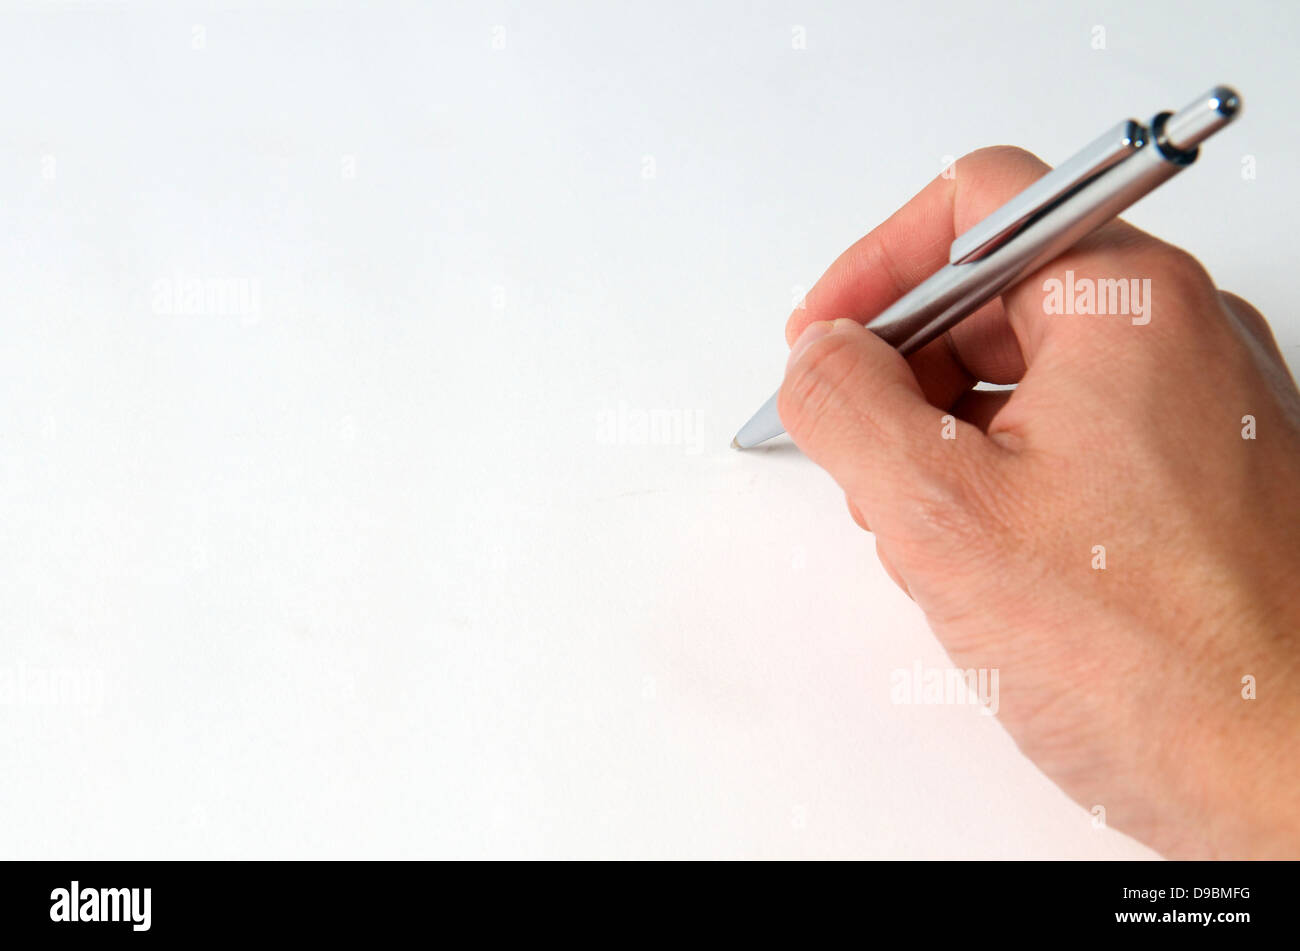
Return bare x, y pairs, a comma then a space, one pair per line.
1123, 684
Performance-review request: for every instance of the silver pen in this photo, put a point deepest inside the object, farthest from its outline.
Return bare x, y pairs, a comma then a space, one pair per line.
1043, 221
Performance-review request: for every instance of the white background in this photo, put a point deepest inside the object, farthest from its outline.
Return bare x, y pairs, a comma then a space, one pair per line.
381, 564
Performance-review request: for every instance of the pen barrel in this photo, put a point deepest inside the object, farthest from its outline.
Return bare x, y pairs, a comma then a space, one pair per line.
957, 290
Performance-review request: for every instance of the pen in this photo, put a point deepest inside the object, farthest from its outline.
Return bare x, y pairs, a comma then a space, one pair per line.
1043, 221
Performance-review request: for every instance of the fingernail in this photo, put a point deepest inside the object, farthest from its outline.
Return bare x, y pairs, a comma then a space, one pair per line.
812, 333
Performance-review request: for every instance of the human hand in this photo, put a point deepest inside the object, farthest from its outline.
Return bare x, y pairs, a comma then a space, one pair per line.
1124, 683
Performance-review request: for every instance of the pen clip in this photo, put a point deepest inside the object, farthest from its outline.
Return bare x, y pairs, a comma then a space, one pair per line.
1002, 225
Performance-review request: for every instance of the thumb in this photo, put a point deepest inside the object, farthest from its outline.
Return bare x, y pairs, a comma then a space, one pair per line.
852, 404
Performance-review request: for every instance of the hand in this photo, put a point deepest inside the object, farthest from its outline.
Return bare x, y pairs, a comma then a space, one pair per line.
1104, 535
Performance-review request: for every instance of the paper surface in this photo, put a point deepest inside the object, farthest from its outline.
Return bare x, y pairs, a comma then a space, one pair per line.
368, 381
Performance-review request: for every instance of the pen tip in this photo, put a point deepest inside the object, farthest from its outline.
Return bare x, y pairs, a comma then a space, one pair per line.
734, 444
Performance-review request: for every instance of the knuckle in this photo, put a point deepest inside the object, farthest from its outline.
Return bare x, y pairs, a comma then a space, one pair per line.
1178, 266
938, 509
969, 498
942, 505
1249, 317
1182, 291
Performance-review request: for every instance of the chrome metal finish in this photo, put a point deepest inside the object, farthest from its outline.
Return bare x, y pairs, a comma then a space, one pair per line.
761, 427
1115, 146
1201, 118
